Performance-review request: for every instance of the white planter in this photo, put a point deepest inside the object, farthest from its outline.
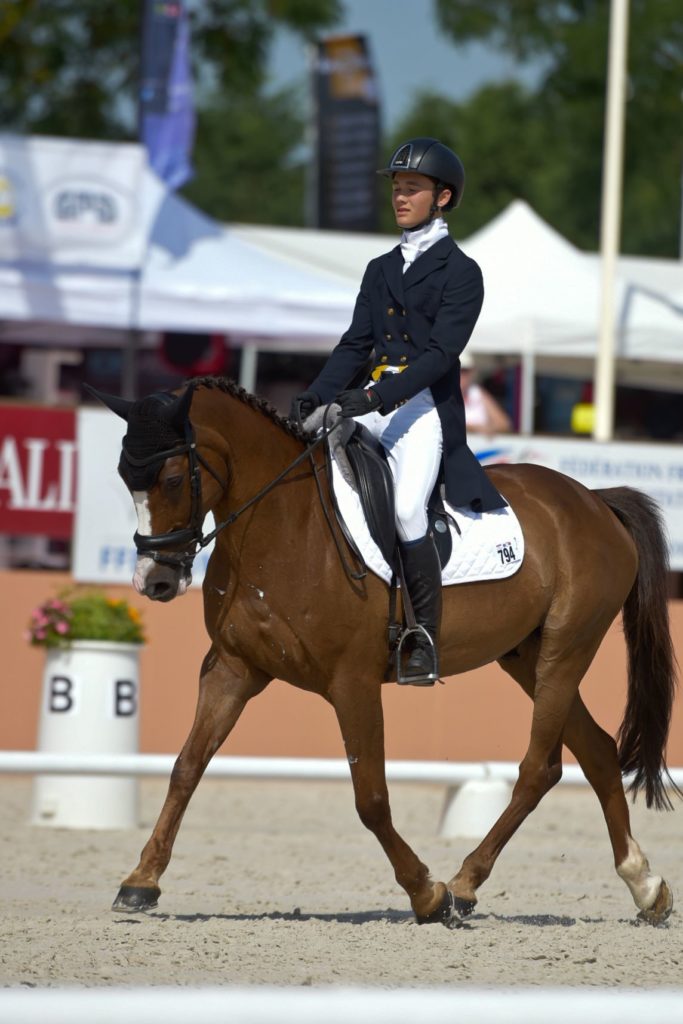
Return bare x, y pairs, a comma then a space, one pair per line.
90, 704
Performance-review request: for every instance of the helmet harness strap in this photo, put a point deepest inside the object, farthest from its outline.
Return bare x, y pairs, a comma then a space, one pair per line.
439, 186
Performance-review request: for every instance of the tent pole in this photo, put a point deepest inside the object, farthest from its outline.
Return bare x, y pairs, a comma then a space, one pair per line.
611, 216
249, 367
526, 425
131, 350
129, 368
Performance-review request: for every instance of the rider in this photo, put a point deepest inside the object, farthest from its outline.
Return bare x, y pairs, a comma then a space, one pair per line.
417, 307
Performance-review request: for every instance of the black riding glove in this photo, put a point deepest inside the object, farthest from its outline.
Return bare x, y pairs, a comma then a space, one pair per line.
303, 405
358, 402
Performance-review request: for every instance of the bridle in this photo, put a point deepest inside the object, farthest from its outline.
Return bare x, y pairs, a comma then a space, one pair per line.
192, 536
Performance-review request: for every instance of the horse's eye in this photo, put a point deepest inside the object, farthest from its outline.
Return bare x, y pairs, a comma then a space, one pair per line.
172, 483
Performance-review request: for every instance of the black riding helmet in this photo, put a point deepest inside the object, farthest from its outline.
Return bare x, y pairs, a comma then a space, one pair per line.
430, 157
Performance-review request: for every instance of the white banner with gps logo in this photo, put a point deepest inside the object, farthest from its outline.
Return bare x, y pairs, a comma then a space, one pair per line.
70, 202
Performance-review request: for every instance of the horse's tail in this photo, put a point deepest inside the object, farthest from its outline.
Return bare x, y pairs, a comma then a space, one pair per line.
642, 736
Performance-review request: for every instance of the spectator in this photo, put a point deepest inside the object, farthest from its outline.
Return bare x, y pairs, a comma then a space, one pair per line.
483, 414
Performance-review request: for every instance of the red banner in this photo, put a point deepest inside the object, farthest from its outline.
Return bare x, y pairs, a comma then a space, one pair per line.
37, 470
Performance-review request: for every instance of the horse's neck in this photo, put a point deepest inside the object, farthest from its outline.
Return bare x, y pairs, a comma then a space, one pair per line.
256, 449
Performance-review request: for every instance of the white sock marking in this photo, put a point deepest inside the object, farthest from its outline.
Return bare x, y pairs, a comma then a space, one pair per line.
635, 871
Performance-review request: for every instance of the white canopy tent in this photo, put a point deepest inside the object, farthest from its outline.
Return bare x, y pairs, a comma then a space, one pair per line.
196, 275
288, 288
542, 293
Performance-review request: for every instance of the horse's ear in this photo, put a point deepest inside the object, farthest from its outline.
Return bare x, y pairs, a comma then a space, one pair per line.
121, 406
180, 410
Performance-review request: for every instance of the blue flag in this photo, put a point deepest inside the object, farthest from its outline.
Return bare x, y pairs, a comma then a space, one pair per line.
167, 120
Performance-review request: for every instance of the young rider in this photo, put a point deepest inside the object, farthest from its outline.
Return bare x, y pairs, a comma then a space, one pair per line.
417, 307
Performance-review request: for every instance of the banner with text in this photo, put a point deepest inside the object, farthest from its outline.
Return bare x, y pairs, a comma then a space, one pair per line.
106, 521
347, 133
72, 202
37, 470
655, 469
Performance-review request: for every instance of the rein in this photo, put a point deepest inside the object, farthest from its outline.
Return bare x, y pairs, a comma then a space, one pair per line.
192, 534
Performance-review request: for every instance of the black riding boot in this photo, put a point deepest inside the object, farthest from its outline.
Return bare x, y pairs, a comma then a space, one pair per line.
423, 580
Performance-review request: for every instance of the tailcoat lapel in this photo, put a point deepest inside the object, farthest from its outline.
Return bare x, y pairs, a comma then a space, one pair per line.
428, 261
392, 267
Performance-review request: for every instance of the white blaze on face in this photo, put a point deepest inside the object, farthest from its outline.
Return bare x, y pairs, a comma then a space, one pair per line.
143, 564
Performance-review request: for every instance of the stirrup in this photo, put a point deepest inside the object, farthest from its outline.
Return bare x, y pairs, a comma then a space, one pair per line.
423, 679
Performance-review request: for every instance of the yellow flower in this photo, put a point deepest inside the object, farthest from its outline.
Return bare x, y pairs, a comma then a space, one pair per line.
134, 614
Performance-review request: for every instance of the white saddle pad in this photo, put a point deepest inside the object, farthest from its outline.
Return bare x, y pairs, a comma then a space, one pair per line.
489, 546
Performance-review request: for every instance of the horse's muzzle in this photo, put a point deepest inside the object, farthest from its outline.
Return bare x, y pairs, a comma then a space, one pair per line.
160, 582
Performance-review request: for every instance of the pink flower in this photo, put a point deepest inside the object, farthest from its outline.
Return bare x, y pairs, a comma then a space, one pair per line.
40, 634
62, 627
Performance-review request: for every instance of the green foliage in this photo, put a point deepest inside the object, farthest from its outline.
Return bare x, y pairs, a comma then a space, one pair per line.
246, 168
84, 614
564, 180
501, 141
71, 68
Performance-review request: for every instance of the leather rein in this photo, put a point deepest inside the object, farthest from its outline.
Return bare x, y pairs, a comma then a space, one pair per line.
192, 536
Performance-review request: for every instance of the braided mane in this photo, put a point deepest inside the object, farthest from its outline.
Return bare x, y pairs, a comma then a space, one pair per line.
262, 405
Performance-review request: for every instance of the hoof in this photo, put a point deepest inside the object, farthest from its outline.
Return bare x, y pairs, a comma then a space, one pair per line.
660, 909
137, 897
449, 912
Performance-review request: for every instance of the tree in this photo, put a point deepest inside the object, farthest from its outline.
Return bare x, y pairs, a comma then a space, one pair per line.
565, 178
247, 167
71, 68
501, 140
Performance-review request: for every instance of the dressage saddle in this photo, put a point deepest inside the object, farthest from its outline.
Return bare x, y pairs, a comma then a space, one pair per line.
375, 487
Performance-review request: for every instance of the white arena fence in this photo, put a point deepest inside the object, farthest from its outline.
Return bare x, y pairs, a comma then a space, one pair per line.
264, 1005
313, 769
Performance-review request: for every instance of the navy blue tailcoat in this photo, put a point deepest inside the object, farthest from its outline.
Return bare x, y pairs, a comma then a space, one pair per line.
421, 320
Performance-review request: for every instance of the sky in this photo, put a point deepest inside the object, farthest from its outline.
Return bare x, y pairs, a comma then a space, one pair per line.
408, 52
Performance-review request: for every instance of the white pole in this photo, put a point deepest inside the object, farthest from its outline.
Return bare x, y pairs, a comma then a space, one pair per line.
318, 769
611, 216
248, 367
335, 1005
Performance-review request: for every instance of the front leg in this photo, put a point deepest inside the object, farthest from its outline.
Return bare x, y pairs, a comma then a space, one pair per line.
360, 717
225, 686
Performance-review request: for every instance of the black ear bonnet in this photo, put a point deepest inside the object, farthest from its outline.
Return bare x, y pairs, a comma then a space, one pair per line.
154, 427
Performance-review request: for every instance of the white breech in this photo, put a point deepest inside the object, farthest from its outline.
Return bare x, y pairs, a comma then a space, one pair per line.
411, 436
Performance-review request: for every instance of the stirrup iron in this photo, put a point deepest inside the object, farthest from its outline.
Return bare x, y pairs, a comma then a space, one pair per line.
424, 679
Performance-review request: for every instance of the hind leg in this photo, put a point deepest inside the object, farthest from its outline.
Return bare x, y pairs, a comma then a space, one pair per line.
552, 668
596, 752
225, 687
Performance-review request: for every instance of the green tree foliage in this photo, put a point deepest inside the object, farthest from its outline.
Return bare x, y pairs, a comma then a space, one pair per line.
247, 168
565, 115
501, 141
71, 68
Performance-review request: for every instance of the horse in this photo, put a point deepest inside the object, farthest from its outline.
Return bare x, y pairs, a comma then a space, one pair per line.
279, 602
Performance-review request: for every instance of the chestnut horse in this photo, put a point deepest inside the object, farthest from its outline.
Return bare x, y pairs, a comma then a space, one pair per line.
278, 603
